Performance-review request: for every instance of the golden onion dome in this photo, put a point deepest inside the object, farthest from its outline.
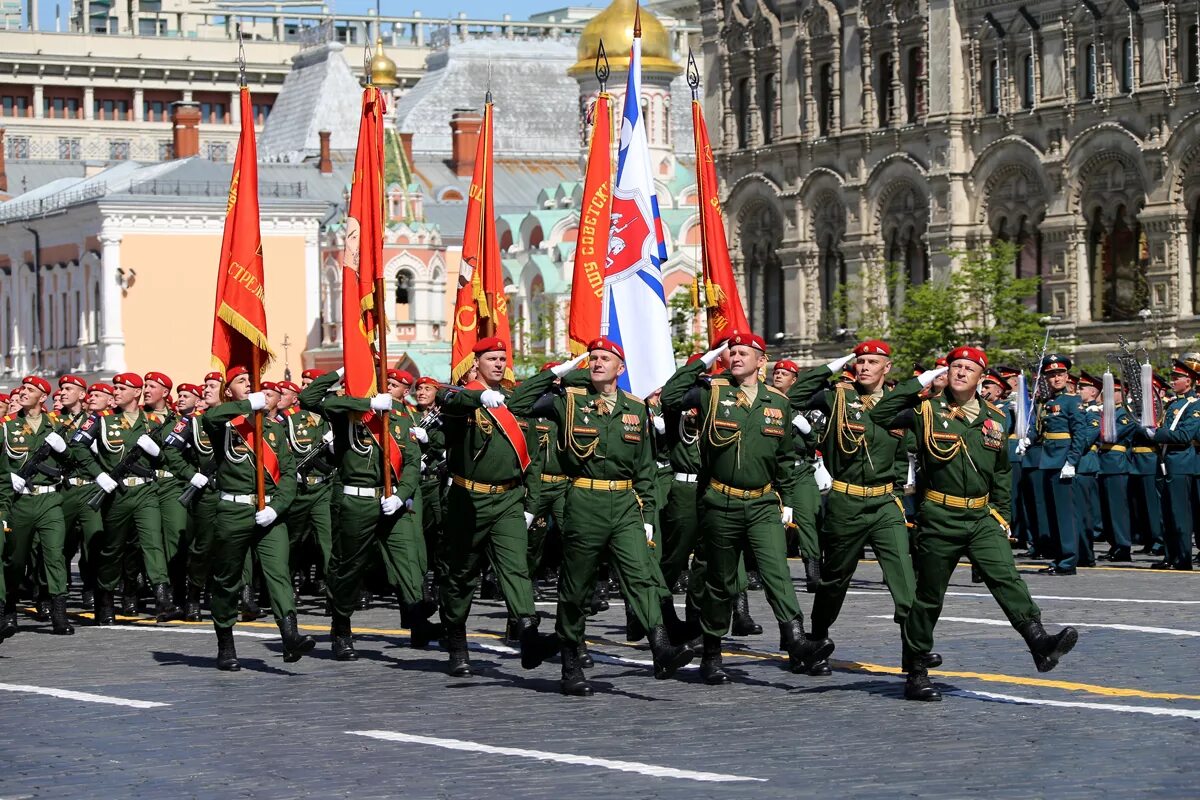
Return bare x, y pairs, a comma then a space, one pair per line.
614, 26
383, 69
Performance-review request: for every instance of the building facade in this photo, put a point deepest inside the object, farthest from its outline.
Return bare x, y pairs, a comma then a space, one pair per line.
854, 134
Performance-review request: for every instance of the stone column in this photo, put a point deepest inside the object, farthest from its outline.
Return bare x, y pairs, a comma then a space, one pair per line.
112, 332
21, 307
89, 103
139, 100
39, 111
312, 286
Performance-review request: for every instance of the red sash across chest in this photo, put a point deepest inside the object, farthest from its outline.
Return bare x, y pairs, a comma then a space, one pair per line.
508, 425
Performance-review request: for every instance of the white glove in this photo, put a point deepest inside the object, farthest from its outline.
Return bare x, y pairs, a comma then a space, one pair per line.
258, 400
660, 424
381, 402
18, 483
712, 355
528, 520
148, 446
911, 479
1067, 473
341, 371
389, 505
786, 515
105, 482
199, 480
930, 375
649, 532
562, 369
1022, 445
1149, 429
839, 364
491, 398
801, 423
420, 435
264, 518
823, 478
327, 440
56, 442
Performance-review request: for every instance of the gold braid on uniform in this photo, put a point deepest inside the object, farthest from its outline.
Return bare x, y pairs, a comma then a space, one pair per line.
581, 451
935, 450
847, 441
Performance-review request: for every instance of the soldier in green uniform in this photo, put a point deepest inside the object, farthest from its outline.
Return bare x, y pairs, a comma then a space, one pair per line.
610, 507
99, 446
241, 525
808, 496
432, 440
82, 523
547, 501
309, 518
748, 474
166, 553
35, 513
961, 447
369, 519
488, 453
861, 457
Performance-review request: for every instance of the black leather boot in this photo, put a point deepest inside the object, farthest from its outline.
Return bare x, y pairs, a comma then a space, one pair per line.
634, 632
677, 629
343, 638
226, 652
585, 658
812, 574
753, 581
41, 611
250, 608
456, 646
1047, 649
420, 630
129, 600
295, 644
429, 592
512, 636
59, 623
191, 608
695, 631
929, 661
87, 597
104, 612
711, 668
918, 687
743, 623
599, 601
667, 657
8, 622
574, 683
803, 652
164, 609
535, 647
820, 669
364, 599
976, 575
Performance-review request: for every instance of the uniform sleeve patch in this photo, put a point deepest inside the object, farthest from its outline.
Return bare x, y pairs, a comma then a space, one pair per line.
726, 424
771, 430
584, 430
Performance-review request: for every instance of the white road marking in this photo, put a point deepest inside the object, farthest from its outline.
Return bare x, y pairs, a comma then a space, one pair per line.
1110, 625
1158, 711
206, 630
884, 593
561, 758
85, 697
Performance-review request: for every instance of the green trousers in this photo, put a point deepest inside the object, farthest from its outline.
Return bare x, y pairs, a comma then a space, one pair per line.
36, 517
432, 516
595, 523
805, 514
174, 528
310, 516
480, 526
850, 524
944, 535
129, 515
85, 531
552, 505
202, 523
680, 529
235, 536
362, 531
731, 526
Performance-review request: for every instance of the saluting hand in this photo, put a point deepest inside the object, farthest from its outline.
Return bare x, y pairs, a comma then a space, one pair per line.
562, 369
711, 356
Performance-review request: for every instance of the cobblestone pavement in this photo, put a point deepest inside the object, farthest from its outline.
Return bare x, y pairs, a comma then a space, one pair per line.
1120, 715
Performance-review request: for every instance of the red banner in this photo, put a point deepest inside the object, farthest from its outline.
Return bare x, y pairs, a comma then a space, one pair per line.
240, 318
725, 311
595, 223
362, 251
270, 461
481, 307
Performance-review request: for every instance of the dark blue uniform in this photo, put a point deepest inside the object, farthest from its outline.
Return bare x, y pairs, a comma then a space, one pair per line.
1181, 425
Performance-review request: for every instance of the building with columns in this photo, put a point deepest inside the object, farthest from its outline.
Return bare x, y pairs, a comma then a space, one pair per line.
858, 133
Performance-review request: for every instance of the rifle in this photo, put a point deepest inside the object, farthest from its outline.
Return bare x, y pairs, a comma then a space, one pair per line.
33, 464
188, 496
123, 468
306, 464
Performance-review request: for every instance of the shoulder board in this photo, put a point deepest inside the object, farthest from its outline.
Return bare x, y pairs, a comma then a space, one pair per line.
720, 382
773, 390
634, 398
576, 390
994, 407
152, 416
198, 413
291, 411
7, 418
52, 416
108, 412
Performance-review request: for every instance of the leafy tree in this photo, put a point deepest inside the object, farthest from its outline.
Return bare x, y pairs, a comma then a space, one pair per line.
683, 323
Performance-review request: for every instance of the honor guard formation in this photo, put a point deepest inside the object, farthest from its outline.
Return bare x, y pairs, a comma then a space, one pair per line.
567, 486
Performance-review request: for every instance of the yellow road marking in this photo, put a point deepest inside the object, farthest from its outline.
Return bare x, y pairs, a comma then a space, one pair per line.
1146, 570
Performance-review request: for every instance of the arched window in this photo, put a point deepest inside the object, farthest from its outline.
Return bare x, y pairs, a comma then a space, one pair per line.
1126, 65
404, 282
1118, 269
993, 93
1029, 83
916, 84
743, 112
1191, 51
1090, 71
825, 99
886, 100
833, 278
768, 108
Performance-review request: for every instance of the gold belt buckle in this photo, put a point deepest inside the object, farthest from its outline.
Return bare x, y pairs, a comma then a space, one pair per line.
612, 486
745, 494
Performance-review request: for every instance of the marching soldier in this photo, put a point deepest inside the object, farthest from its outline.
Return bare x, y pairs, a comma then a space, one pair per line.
488, 452
862, 458
369, 519
748, 472
35, 511
83, 524
966, 480
166, 553
1087, 482
309, 514
610, 507
1145, 475
132, 511
808, 496
1115, 486
432, 440
1180, 428
548, 500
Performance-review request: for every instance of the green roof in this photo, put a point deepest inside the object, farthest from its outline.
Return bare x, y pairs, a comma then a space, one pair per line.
550, 272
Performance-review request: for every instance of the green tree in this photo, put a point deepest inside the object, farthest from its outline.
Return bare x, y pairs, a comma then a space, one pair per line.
994, 304
683, 318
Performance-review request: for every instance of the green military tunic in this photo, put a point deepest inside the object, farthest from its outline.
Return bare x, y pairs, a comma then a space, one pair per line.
174, 517
236, 532
433, 493
35, 515
363, 529
808, 496
746, 472
862, 508
83, 524
192, 452
963, 511
310, 514
547, 500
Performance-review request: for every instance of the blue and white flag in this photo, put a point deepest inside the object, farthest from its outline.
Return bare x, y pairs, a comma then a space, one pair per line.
635, 306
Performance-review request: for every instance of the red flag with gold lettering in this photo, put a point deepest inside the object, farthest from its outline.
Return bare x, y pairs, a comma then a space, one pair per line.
240, 318
480, 307
362, 251
725, 311
595, 223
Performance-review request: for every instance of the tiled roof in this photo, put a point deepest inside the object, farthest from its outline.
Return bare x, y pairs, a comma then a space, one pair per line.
319, 94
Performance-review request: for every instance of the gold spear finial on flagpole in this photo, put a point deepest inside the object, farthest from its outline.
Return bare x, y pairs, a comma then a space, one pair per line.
637, 21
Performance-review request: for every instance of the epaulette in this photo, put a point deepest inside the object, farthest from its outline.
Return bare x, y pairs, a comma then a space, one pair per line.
576, 390
291, 411
719, 382
633, 397
108, 412
777, 391
7, 418
994, 407
152, 416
